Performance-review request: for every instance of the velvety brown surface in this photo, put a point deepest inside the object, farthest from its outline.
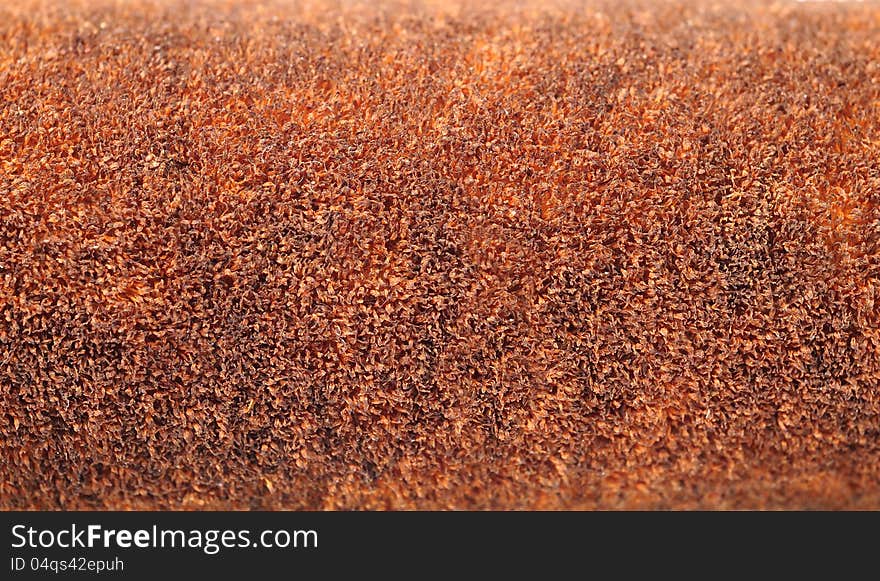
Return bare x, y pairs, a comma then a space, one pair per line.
442, 255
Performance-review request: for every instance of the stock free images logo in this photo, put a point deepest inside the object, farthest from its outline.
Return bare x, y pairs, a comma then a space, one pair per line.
95, 536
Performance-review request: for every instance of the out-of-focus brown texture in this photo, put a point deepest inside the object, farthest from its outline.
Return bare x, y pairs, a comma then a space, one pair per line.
325, 255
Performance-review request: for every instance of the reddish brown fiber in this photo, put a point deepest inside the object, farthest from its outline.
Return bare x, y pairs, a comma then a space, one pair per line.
417, 255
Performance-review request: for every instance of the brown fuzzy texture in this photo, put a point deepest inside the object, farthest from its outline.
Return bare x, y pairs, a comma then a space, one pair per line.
321, 255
